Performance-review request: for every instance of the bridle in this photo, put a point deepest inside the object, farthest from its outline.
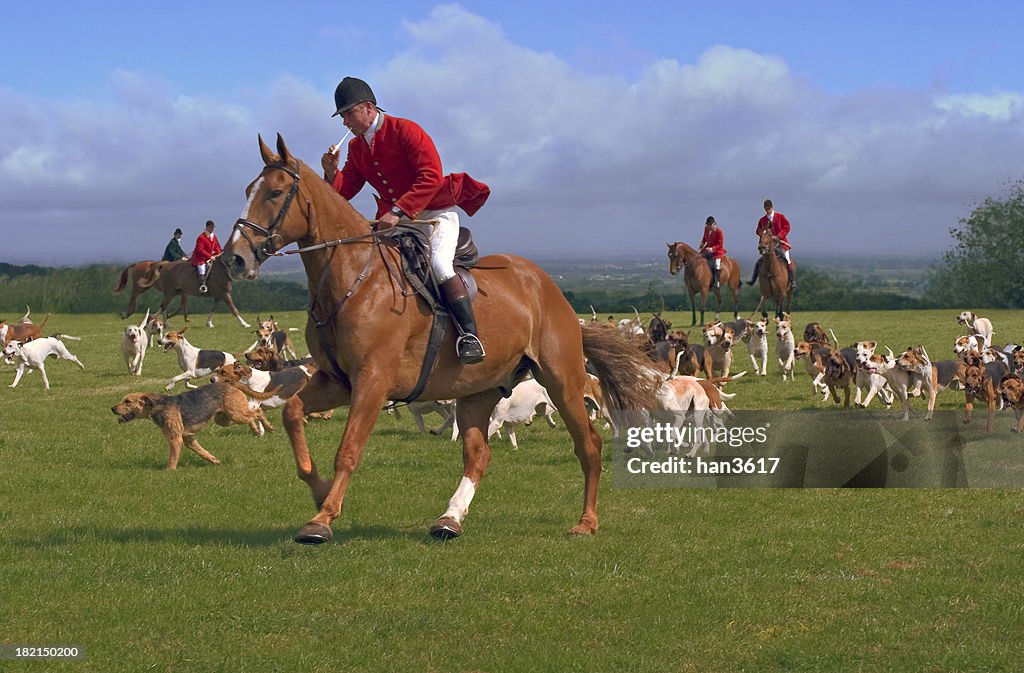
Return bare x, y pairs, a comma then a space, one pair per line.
268, 247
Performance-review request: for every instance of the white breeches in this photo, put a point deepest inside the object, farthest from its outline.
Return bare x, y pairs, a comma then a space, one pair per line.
201, 269
785, 255
718, 263
443, 241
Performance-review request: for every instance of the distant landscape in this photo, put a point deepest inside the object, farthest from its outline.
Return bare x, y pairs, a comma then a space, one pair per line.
611, 286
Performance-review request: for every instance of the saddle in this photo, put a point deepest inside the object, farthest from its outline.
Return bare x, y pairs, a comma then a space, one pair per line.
413, 241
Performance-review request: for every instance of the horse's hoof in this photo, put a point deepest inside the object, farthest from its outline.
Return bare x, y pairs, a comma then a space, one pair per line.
583, 529
313, 533
446, 528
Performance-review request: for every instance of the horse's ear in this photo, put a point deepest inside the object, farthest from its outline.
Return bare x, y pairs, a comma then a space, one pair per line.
282, 149
268, 156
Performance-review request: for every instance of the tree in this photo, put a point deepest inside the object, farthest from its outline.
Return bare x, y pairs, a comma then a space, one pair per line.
985, 268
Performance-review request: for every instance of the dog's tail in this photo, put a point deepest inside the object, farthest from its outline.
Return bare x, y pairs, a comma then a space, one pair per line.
43, 324
25, 317
835, 339
65, 337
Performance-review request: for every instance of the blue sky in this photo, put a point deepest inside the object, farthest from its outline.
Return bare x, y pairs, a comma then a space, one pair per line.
602, 128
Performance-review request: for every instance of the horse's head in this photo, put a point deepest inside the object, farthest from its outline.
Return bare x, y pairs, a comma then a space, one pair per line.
675, 258
767, 242
269, 222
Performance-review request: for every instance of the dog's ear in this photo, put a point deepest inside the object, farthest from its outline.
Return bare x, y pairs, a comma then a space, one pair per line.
149, 400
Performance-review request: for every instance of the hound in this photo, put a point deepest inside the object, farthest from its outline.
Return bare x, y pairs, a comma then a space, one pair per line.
756, 338
133, 346
967, 343
180, 417
980, 383
814, 363
285, 383
870, 373
193, 361
528, 399
270, 335
155, 328
32, 355
1011, 388
814, 334
839, 374
981, 326
267, 359
718, 341
932, 377
785, 348
443, 408
24, 330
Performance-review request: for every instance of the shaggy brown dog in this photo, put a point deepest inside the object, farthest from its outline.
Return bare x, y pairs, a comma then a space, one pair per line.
1012, 390
979, 383
180, 417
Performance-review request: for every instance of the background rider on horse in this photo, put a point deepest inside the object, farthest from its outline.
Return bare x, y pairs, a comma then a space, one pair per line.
712, 246
779, 226
399, 160
207, 248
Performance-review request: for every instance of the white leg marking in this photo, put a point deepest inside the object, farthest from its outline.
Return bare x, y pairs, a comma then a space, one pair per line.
458, 506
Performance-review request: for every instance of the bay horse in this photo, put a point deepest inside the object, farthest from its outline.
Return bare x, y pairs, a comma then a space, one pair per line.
368, 334
773, 278
180, 279
697, 276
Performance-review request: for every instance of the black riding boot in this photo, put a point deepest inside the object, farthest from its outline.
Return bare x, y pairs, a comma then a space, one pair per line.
202, 283
716, 275
456, 296
792, 276
757, 268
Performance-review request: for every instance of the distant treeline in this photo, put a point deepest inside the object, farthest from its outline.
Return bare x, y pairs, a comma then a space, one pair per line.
90, 289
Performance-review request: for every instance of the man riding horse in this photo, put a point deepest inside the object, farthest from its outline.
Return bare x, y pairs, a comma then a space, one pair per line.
399, 160
712, 246
779, 226
207, 248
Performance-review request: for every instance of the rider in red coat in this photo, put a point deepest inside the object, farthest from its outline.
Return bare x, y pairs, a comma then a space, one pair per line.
398, 159
779, 226
712, 246
207, 248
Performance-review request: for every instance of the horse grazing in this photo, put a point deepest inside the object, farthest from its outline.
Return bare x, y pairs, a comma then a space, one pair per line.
697, 276
368, 334
180, 279
773, 277
137, 271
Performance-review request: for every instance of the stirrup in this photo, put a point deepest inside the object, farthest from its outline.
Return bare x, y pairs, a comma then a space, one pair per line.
203, 289
469, 349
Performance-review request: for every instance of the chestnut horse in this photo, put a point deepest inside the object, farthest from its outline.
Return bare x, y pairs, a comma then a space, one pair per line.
368, 334
773, 277
697, 276
180, 279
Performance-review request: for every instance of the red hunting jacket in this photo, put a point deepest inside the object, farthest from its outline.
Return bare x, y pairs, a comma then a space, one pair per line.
779, 226
713, 242
405, 169
206, 247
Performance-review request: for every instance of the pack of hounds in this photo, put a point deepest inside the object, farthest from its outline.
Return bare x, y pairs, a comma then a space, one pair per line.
687, 377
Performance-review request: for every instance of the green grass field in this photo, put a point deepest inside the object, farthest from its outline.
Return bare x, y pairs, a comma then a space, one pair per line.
195, 570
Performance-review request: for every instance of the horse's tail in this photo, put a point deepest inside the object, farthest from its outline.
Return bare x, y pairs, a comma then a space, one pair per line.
124, 278
624, 371
152, 275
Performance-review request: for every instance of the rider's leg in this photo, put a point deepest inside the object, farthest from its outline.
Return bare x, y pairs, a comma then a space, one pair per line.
757, 269
443, 241
716, 273
201, 270
791, 268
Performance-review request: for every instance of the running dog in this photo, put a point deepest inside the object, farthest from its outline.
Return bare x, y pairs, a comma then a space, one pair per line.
32, 355
981, 326
930, 377
814, 364
194, 362
756, 338
1011, 388
874, 372
785, 348
133, 346
180, 417
979, 384
24, 330
839, 373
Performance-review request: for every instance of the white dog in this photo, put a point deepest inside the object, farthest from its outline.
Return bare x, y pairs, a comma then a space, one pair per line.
785, 348
133, 346
981, 326
32, 355
756, 338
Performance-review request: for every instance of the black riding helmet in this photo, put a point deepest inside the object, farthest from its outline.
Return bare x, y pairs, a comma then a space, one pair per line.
351, 92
